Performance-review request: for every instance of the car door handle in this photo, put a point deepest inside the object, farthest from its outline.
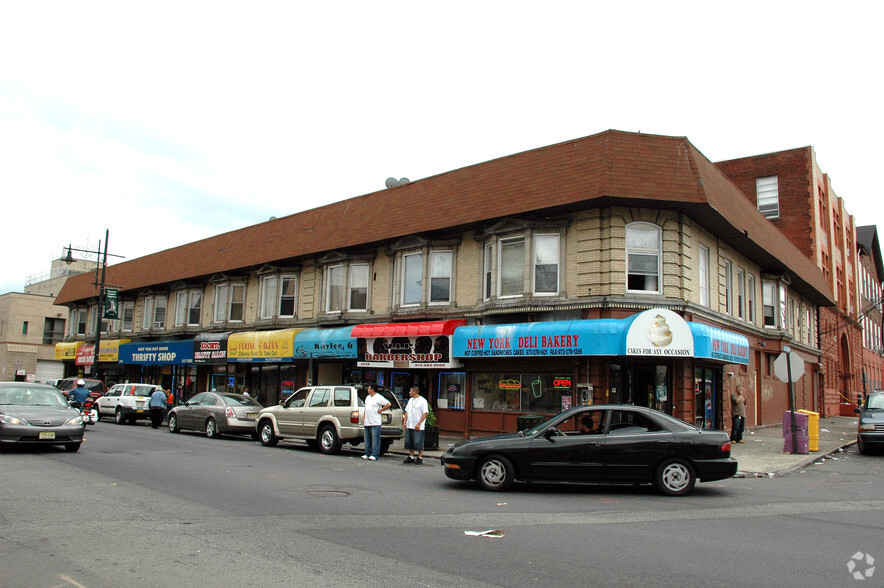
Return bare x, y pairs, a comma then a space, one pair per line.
662, 442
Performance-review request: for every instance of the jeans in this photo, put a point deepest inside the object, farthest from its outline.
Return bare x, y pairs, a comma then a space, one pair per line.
372, 435
737, 425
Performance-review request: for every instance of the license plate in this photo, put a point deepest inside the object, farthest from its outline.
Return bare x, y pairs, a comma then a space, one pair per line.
251, 415
47, 434
387, 419
139, 410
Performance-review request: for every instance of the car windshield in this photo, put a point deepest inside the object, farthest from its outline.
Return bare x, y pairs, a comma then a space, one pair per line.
237, 400
21, 396
875, 402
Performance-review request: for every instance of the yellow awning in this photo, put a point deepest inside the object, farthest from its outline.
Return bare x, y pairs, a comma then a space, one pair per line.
261, 345
67, 349
110, 349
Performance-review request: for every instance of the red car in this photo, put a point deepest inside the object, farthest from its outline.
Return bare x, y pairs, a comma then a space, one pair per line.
96, 387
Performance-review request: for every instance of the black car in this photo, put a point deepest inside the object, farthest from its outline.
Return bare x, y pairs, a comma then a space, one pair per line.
617, 444
870, 427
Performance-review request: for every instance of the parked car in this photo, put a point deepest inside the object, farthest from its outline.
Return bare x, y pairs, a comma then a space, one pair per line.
54, 382
216, 413
127, 403
618, 444
870, 425
38, 414
96, 387
326, 417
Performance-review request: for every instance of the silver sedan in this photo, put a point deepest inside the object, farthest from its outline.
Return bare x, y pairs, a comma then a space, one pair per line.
216, 413
38, 414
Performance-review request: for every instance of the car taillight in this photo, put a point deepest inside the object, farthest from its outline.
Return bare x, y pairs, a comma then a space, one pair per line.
354, 417
230, 413
726, 447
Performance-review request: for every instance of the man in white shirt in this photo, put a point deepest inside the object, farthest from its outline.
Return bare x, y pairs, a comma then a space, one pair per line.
414, 421
375, 404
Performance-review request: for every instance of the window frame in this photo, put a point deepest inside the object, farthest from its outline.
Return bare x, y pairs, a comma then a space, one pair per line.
704, 275
645, 251
432, 278
407, 274
768, 189
557, 239
520, 265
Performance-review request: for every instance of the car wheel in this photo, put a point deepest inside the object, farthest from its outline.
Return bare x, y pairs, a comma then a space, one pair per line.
675, 477
862, 448
173, 424
328, 440
496, 473
72, 447
385, 445
268, 437
118, 417
212, 431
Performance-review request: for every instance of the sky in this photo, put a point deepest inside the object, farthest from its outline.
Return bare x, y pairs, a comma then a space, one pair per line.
169, 122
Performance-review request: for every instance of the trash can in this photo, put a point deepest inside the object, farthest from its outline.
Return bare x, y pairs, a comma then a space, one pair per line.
800, 432
528, 421
813, 429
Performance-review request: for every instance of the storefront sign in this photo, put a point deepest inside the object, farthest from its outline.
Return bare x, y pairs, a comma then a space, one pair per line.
210, 348
406, 345
86, 354
719, 344
110, 350
261, 346
157, 353
327, 343
659, 333
67, 350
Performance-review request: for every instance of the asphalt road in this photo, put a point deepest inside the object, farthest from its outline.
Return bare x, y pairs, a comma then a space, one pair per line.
143, 507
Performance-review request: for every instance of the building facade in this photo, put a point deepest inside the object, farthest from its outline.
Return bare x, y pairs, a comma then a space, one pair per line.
619, 267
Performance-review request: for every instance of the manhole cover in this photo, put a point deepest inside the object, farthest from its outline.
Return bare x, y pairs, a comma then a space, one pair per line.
327, 493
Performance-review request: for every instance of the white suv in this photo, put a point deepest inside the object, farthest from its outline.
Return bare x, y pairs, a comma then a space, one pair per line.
126, 402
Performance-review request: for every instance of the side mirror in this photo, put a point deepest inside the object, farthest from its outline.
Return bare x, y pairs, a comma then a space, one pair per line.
550, 432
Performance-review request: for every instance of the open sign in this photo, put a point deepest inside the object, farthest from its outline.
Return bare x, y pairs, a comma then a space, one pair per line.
562, 383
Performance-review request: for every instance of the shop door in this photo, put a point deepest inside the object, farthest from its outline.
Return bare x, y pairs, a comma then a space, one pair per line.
707, 398
401, 383
650, 386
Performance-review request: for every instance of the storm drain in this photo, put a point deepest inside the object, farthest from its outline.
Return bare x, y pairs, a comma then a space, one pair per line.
327, 493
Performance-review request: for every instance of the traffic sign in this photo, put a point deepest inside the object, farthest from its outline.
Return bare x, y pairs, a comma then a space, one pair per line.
781, 366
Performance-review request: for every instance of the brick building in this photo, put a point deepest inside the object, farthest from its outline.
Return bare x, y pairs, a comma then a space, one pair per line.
871, 318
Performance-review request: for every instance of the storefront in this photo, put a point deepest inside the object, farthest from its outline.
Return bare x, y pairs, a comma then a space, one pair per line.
157, 362
66, 352
209, 361
543, 368
399, 355
264, 363
329, 354
108, 369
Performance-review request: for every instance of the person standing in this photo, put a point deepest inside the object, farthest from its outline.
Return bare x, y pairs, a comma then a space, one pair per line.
157, 406
414, 421
375, 404
738, 414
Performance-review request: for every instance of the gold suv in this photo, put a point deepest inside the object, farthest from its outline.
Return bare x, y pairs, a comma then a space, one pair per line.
326, 417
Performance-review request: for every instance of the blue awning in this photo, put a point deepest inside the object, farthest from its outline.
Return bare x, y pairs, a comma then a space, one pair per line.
157, 353
547, 339
719, 344
328, 343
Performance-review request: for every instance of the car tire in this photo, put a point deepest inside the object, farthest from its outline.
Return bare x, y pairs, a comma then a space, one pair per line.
173, 424
495, 473
266, 434
118, 417
385, 445
328, 440
212, 431
862, 448
72, 447
675, 477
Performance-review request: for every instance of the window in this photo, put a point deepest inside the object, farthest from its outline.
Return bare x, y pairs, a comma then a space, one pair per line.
512, 267
194, 307
412, 272
741, 293
229, 302
82, 320
769, 303
278, 296
643, 257
24, 328
358, 286
237, 303
704, 275
335, 292
220, 303
440, 276
127, 317
546, 264
750, 299
728, 295
53, 331
767, 194
488, 267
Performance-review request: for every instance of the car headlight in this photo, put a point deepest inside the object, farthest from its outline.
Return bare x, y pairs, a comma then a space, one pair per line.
11, 420
867, 427
77, 420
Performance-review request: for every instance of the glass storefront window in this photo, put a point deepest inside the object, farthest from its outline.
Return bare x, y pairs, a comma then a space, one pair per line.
451, 390
519, 392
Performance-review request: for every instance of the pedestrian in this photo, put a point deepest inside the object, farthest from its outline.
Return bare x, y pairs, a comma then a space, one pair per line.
414, 420
170, 403
245, 391
157, 407
375, 404
738, 414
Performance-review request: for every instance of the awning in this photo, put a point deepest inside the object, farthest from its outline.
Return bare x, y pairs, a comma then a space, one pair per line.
261, 346
325, 343
210, 348
719, 344
67, 349
110, 349
86, 354
390, 330
157, 353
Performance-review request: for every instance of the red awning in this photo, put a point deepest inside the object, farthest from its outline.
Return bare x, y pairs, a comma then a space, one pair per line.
429, 329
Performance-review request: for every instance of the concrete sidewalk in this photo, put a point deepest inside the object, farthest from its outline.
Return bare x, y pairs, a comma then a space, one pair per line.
760, 455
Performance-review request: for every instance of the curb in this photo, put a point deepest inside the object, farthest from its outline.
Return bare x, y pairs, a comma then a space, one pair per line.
802, 464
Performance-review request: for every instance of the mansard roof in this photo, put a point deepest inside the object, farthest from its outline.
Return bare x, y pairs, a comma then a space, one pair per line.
612, 168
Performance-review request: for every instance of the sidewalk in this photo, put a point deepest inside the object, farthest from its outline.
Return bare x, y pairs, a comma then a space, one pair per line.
760, 455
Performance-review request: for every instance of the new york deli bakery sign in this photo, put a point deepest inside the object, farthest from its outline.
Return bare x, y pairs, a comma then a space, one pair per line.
415, 352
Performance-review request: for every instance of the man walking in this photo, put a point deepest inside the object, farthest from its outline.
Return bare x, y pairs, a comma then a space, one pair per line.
738, 414
157, 407
414, 422
375, 404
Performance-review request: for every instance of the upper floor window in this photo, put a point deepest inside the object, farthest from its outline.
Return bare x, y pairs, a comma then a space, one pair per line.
750, 299
440, 276
278, 293
188, 307
546, 264
769, 303
489, 251
511, 276
522, 258
127, 316
768, 196
53, 330
347, 287
728, 285
412, 272
643, 247
154, 313
230, 302
704, 275
741, 293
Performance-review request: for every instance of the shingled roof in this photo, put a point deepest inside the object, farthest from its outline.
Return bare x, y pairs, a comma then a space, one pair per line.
610, 168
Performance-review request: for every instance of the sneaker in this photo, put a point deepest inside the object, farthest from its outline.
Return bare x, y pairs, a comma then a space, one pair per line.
740, 441
364, 457
372, 458
408, 459
418, 461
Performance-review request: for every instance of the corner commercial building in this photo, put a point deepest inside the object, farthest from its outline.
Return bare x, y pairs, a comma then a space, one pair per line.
619, 267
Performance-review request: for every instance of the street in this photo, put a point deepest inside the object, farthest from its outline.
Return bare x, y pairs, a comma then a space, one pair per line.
143, 507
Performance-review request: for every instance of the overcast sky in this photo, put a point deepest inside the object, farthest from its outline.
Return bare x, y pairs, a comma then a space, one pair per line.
169, 122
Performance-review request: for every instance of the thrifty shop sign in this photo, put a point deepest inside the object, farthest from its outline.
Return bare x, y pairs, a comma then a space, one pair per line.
156, 354
521, 346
